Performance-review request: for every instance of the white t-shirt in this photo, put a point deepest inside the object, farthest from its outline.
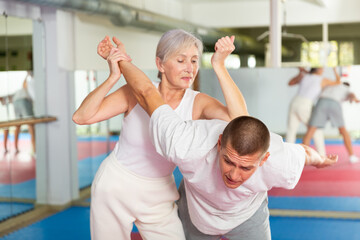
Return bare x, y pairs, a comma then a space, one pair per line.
215, 209
310, 86
21, 94
338, 93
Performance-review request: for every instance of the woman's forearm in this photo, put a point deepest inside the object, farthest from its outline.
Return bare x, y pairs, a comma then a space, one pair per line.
91, 104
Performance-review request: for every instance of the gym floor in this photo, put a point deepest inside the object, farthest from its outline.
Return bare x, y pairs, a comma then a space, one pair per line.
324, 205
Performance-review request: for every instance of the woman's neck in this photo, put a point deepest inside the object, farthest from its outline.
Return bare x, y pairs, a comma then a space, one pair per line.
171, 95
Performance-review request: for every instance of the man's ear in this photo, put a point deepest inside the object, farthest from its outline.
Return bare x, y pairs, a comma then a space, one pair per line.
219, 143
267, 154
159, 65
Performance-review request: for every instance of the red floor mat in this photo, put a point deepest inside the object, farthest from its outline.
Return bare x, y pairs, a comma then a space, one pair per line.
342, 179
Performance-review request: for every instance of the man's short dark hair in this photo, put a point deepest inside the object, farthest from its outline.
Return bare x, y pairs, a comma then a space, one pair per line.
247, 135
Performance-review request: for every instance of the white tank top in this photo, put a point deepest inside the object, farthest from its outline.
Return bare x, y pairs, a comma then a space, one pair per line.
310, 86
135, 150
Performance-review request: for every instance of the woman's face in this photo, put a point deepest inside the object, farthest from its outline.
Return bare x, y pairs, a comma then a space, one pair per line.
180, 69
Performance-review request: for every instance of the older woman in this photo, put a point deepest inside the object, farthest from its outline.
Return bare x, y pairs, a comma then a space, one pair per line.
134, 184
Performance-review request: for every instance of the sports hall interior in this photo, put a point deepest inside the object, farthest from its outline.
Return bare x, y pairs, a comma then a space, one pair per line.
45, 194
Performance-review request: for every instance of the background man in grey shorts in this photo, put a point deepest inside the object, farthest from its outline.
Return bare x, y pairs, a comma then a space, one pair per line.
227, 167
329, 108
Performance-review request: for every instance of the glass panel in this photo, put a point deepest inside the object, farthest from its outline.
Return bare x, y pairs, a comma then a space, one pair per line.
82, 89
232, 61
97, 140
314, 53
5, 159
17, 159
98, 132
346, 54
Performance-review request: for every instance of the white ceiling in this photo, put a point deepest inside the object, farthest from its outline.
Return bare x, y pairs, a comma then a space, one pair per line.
316, 2
256, 13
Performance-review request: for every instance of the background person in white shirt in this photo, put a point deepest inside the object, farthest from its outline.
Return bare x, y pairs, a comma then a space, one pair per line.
22, 100
227, 173
310, 85
329, 108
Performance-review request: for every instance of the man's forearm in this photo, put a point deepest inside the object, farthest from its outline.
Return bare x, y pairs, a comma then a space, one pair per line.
312, 158
143, 89
234, 99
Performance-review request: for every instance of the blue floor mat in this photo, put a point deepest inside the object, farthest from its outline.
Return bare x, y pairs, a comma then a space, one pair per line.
335, 141
87, 169
73, 224
12, 209
20, 190
293, 228
346, 204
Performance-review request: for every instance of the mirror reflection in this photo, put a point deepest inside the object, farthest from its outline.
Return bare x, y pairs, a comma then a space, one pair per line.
96, 141
17, 159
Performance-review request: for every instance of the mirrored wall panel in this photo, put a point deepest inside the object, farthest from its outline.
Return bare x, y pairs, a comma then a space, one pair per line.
17, 141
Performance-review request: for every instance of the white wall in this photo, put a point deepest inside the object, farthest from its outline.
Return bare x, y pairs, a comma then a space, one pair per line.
91, 29
250, 13
268, 96
20, 9
173, 8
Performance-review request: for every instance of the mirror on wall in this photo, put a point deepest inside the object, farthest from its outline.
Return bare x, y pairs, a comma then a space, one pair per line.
95, 141
17, 143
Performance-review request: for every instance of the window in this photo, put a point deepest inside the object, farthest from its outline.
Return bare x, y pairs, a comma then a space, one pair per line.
316, 54
346, 54
232, 61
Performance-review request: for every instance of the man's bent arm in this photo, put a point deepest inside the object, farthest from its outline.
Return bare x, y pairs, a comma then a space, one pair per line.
143, 89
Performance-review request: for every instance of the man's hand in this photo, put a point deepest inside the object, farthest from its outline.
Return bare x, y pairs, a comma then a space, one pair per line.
119, 45
143, 89
223, 48
313, 158
104, 47
115, 56
328, 160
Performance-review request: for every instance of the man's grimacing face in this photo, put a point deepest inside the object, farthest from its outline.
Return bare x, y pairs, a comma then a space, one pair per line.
236, 169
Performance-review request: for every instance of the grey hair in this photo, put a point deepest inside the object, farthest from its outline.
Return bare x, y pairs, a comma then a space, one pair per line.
173, 41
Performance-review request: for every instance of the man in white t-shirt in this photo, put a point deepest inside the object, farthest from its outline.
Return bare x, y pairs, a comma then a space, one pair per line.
227, 173
329, 108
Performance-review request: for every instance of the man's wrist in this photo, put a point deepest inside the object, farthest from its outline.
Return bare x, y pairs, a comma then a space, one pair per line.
312, 157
